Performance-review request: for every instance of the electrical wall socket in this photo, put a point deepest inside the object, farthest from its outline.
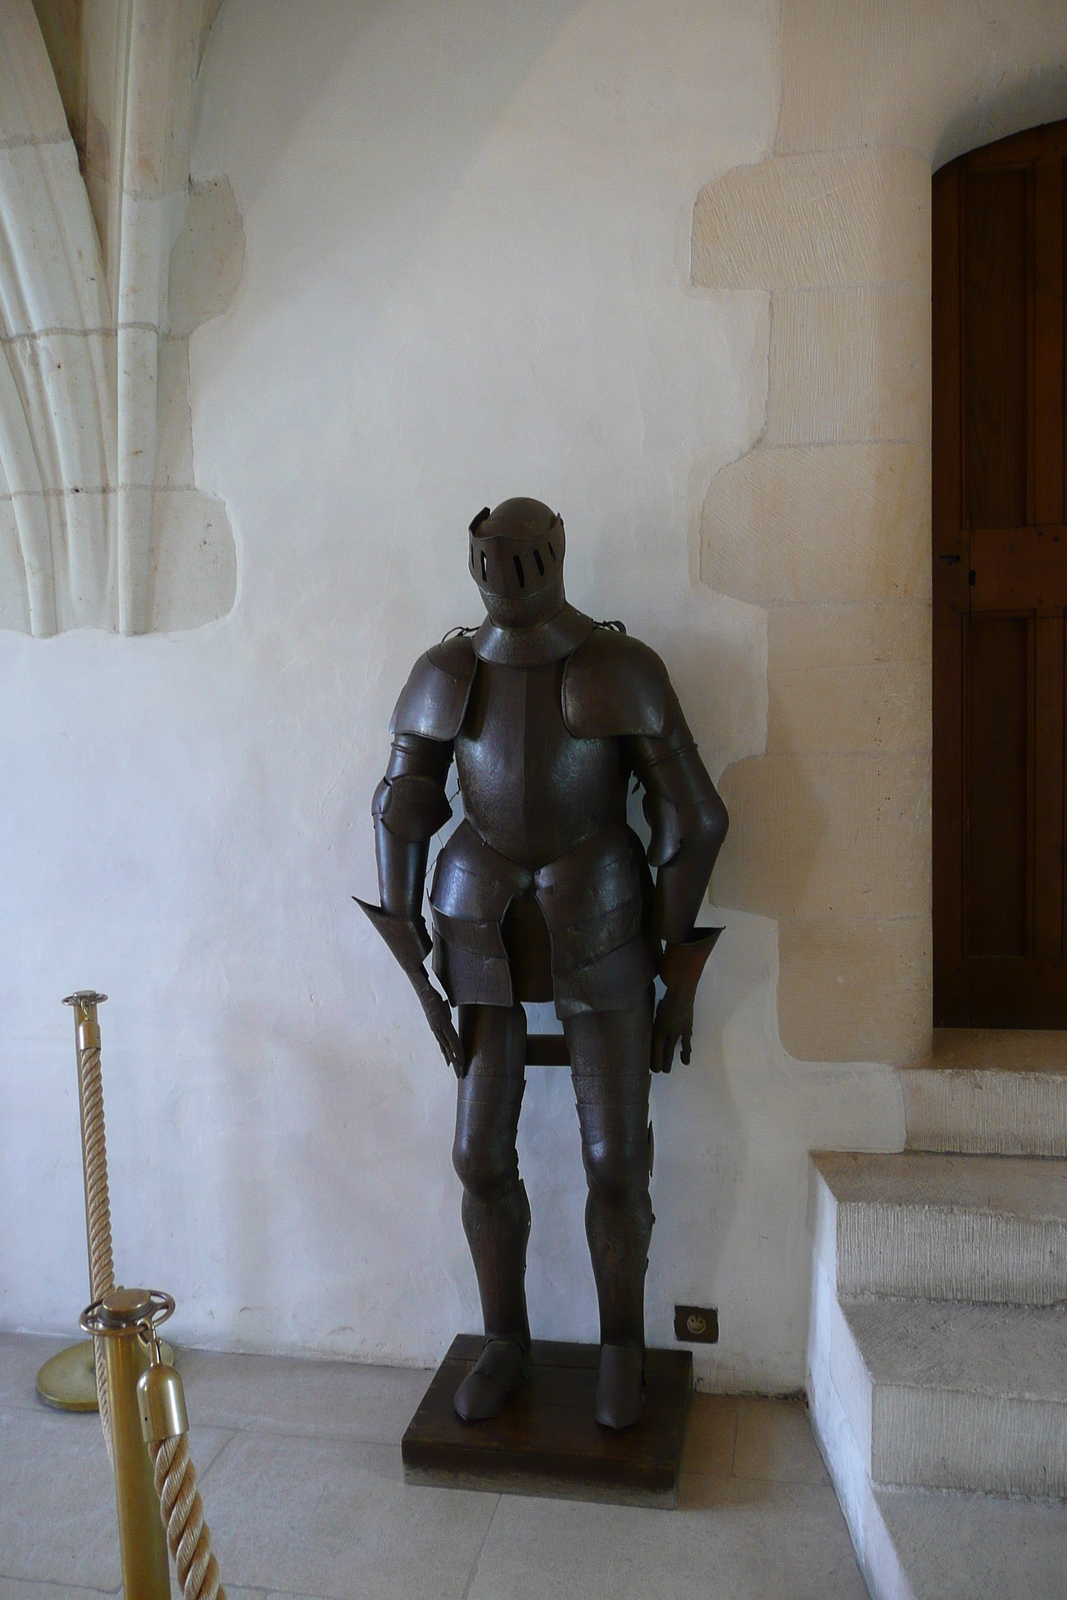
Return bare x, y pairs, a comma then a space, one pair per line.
696, 1324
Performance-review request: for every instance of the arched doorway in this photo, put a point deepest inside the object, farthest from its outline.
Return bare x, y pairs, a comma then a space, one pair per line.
1000, 584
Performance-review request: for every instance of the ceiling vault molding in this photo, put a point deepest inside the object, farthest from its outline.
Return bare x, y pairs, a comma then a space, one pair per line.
84, 265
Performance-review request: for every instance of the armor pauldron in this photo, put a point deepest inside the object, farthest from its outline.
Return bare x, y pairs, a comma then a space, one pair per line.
433, 700
614, 686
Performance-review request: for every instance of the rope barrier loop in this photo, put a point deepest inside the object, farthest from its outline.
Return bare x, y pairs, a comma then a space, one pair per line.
165, 1426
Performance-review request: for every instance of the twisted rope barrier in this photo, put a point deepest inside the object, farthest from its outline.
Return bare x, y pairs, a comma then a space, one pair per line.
182, 1510
94, 1166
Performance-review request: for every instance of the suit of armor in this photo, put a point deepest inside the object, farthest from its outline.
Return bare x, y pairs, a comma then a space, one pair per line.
543, 893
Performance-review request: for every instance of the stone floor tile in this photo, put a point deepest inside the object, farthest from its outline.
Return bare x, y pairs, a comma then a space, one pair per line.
57, 1500
24, 1589
709, 1436
57, 1497
282, 1394
698, 1491
752, 1541
21, 1357
205, 1444
333, 1518
775, 1441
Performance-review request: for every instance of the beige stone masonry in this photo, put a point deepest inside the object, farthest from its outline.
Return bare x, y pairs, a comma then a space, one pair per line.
850, 636
827, 523
850, 522
827, 836
854, 989
849, 364
810, 221
849, 678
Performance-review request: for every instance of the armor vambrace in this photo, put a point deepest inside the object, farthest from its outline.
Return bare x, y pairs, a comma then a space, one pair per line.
688, 822
409, 807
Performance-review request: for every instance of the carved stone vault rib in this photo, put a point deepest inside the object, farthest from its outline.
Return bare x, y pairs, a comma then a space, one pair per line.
86, 532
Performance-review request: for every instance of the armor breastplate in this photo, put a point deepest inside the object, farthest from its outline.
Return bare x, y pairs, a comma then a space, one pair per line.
530, 789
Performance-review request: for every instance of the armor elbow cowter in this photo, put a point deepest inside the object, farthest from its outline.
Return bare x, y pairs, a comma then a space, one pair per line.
412, 807
682, 806
410, 801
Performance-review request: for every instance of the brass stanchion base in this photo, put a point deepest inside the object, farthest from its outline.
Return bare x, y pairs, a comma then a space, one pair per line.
68, 1380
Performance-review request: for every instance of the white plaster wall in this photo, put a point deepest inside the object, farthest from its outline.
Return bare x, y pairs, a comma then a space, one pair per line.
467, 276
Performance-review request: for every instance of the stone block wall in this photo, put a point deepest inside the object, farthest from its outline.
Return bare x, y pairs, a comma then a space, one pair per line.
825, 522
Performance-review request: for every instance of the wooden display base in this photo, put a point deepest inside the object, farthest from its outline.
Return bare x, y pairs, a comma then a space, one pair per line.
546, 1441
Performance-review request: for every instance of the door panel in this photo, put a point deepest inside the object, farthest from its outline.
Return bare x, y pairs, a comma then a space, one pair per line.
998, 661
1000, 585
994, 342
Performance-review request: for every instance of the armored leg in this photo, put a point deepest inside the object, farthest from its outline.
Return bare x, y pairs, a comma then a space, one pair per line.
496, 1212
609, 1064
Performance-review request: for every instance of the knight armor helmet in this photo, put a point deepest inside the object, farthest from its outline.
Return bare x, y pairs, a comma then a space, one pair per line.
516, 551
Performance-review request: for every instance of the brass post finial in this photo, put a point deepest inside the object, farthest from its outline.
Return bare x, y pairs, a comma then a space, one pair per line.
86, 1027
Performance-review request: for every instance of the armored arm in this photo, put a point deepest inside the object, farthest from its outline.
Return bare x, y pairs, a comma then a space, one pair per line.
688, 822
614, 686
409, 807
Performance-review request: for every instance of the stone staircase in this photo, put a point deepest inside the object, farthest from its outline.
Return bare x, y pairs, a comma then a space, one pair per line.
937, 1358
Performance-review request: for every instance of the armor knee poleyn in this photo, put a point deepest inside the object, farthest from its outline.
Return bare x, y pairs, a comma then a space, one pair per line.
616, 1172
484, 1168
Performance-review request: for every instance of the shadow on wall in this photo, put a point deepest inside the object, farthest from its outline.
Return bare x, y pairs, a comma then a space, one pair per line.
193, 562
1040, 96
103, 278
825, 523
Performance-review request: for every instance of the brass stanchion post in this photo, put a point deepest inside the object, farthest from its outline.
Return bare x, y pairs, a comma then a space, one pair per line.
117, 1320
73, 1380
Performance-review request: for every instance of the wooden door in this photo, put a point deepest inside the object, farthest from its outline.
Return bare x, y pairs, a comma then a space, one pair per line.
1000, 584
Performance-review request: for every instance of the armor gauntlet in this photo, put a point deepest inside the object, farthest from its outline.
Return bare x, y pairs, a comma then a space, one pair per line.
409, 807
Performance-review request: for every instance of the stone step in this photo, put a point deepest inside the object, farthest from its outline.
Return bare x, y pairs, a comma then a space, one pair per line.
938, 1546
918, 1544
962, 1397
945, 1227
989, 1091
